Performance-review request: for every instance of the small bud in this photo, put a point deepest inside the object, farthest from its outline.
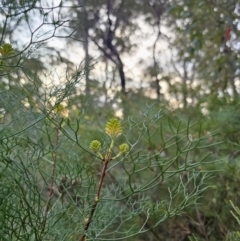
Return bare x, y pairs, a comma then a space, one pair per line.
124, 148
76, 182
95, 145
113, 128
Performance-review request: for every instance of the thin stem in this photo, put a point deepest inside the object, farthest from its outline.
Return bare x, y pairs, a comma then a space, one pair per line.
50, 194
201, 223
3, 30
147, 224
94, 206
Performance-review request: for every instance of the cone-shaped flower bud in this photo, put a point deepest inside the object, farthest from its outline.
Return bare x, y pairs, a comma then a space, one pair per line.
95, 145
124, 148
113, 128
61, 110
6, 50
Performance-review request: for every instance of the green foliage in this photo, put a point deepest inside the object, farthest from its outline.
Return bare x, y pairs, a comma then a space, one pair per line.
206, 47
49, 179
71, 170
234, 236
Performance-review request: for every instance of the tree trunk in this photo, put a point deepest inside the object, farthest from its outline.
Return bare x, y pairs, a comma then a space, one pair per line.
122, 77
184, 90
85, 44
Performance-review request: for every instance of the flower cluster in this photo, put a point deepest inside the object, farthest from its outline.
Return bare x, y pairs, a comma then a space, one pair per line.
113, 129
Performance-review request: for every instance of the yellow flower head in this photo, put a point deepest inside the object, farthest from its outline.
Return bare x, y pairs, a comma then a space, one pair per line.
113, 128
95, 145
6, 50
61, 110
124, 148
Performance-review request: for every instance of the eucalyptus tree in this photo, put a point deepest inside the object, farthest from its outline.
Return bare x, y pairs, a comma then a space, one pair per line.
110, 26
206, 40
155, 14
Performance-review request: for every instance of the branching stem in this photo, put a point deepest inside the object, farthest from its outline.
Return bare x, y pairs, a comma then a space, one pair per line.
51, 183
94, 206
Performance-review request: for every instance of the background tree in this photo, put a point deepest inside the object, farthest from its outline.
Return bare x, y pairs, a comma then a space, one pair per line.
206, 39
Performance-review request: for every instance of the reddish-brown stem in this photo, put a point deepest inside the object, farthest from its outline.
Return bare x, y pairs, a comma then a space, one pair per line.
52, 182
103, 173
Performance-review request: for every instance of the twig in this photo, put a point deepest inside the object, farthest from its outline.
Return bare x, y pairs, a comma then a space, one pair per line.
142, 216
51, 183
103, 173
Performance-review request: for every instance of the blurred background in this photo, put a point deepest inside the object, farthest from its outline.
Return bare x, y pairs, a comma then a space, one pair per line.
183, 52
